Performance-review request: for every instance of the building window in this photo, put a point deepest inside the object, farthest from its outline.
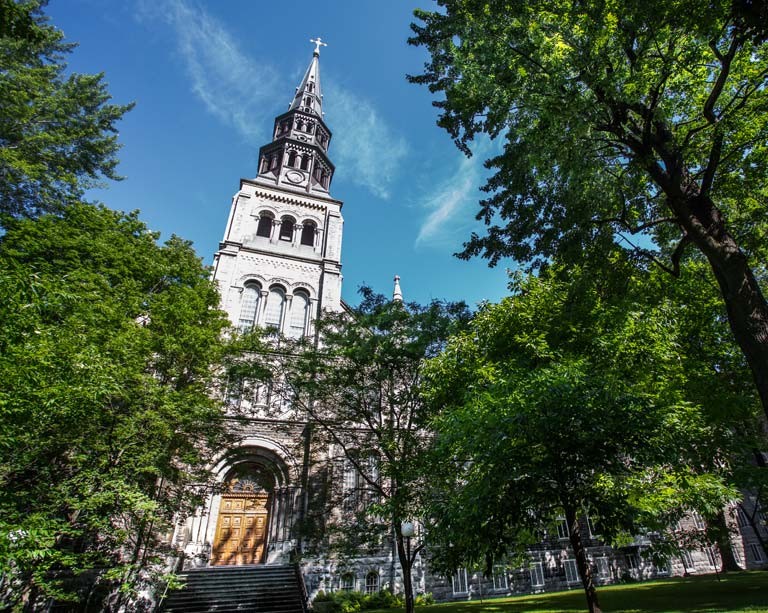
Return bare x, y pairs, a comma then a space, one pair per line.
249, 306
757, 555
661, 569
305, 161
603, 568
711, 557
687, 559
459, 582
286, 228
562, 528
273, 315
308, 229
741, 518
347, 583
265, 225
698, 521
537, 575
571, 571
633, 561
299, 315
591, 527
291, 158
500, 578
372, 582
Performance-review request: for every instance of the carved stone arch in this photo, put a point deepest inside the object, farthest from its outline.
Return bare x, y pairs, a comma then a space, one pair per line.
260, 450
301, 285
264, 207
280, 282
252, 278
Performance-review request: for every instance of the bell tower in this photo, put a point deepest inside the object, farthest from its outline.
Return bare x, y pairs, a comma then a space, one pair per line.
279, 263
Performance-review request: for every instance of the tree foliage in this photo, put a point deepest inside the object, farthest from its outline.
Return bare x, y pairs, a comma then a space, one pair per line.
58, 132
639, 122
574, 397
361, 387
107, 342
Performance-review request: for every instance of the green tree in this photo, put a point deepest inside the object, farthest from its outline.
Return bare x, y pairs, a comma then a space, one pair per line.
640, 121
107, 342
570, 398
361, 388
57, 131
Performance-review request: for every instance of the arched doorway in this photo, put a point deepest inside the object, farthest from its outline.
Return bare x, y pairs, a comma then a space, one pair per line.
241, 528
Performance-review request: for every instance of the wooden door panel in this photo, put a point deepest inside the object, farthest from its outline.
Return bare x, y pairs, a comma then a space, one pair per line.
240, 531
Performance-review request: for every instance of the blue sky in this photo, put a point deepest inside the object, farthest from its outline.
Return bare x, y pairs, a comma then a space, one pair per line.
209, 77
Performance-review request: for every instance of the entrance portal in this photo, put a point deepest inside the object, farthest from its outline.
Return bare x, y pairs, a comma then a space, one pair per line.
241, 529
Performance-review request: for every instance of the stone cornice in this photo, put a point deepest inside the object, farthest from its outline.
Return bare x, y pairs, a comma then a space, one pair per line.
281, 195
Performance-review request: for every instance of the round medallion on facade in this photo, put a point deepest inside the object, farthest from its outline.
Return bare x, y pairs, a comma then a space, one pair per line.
294, 176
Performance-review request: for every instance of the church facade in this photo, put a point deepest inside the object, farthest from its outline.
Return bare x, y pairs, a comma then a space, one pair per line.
278, 266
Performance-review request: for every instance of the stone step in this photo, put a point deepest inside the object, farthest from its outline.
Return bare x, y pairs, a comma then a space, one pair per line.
260, 589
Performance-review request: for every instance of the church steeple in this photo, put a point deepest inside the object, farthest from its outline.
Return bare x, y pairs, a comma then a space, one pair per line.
297, 157
309, 96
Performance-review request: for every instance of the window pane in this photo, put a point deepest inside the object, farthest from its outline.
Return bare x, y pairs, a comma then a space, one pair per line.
249, 307
275, 305
299, 312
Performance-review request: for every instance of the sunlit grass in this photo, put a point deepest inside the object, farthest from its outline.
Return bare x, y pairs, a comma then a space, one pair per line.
746, 591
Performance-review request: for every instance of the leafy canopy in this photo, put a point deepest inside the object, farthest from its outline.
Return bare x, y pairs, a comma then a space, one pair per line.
58, 133
107, 342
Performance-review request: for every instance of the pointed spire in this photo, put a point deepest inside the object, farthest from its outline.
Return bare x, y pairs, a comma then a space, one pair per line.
397, 295
309, 96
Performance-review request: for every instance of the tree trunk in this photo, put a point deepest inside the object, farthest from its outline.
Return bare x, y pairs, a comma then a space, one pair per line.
585, 571
745, 304
723, 538
404, 555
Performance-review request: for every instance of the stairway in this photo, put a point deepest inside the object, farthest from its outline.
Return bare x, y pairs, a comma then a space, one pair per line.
260, 589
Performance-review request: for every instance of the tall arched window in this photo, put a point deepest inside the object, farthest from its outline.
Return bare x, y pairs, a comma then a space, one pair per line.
265, 225
286, 228
308, 229
292, 158
273, 315
372, 582
249, 306
305, 161
299, 314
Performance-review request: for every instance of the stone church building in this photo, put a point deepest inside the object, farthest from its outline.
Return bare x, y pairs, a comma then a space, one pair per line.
279, 266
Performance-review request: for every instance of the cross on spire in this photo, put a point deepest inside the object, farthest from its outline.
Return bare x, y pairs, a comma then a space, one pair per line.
318, 43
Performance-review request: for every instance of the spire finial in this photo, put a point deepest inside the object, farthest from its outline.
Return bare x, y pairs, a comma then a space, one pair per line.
397, 295
318, 43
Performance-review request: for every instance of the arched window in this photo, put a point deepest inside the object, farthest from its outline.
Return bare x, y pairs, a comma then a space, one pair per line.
308, 233
300, 125
273, 315
310, 87
273, 161
310, 127
347, 583
292, 158
249, 306
299, 314
265, 225
305, 161
286, 228
264, 164
308, 101
372, 582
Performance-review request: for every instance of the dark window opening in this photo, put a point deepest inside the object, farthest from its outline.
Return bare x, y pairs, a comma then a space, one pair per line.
305, 162
286, 229
292, 158
308, 234
265, 226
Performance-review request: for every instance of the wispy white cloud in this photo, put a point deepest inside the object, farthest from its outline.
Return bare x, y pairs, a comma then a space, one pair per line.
244, 94
233, 86
365, 148
452, 202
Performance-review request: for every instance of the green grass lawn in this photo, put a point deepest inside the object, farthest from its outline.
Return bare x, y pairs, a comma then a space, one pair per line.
734, 592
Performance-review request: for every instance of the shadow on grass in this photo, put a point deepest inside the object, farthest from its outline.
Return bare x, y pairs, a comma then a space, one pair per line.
746, 591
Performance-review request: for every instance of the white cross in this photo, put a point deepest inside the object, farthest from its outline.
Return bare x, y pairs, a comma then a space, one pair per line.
318, 43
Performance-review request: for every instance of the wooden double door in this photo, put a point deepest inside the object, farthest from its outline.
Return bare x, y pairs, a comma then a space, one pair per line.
241, 530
